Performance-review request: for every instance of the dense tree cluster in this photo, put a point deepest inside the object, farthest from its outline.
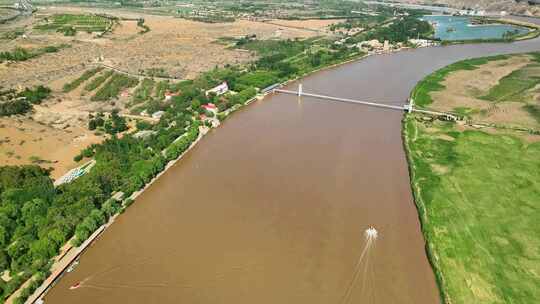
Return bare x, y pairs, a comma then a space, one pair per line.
402, 30
112, 125
22, 54
13, 103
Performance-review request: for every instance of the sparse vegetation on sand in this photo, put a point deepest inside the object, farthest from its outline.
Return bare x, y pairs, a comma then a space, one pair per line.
477, 192
432, 83
70, 86
513, 86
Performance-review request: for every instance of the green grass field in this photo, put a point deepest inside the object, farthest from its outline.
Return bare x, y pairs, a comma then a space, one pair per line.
478, 196
479, 199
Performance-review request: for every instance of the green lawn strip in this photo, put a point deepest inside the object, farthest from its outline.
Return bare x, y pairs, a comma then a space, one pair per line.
70, 86
144, 91
480, 214
96, 82
113, 86
432, 83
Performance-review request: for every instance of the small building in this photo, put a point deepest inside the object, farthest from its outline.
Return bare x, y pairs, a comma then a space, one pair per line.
169, 95
158, 114
144, 134
219, 90
125, 93
210, 107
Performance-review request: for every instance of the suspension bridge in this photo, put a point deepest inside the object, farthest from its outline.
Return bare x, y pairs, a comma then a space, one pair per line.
408, 107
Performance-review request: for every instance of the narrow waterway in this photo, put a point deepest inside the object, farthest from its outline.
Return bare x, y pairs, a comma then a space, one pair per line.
272, 206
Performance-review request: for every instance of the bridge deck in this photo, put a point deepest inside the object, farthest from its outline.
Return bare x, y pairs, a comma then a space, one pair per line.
405, 107
367, 103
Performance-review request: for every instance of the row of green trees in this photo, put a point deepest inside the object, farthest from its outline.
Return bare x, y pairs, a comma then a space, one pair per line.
23, 54
70, 86
111, 125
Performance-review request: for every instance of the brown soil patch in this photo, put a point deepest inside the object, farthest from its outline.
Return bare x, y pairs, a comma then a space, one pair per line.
23, 138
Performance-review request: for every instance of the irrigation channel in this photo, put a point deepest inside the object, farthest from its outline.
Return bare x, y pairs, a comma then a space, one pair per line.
272, 206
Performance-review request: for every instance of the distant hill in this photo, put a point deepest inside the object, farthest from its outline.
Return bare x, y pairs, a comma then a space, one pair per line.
524, 7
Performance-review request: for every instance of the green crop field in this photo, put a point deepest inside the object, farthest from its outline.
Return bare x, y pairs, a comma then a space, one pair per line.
83, 23
97, 81
84, 77
113, 86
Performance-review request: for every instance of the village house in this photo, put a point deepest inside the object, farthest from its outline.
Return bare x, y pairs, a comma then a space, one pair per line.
219, 90
169, 95
210, 107
158, 114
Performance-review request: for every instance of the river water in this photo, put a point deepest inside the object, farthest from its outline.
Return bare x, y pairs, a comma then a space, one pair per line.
271, 207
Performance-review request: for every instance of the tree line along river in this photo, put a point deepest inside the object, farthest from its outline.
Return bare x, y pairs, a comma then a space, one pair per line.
272, 206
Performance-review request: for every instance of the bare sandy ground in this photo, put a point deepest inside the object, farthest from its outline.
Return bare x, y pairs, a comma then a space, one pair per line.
22, 139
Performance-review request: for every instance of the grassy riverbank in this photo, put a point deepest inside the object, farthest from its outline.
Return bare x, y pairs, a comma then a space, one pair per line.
477, 193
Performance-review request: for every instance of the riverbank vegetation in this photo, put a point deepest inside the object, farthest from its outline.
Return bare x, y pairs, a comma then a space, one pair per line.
477, 190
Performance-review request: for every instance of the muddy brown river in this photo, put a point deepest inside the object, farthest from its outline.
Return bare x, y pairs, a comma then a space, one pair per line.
272, 206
